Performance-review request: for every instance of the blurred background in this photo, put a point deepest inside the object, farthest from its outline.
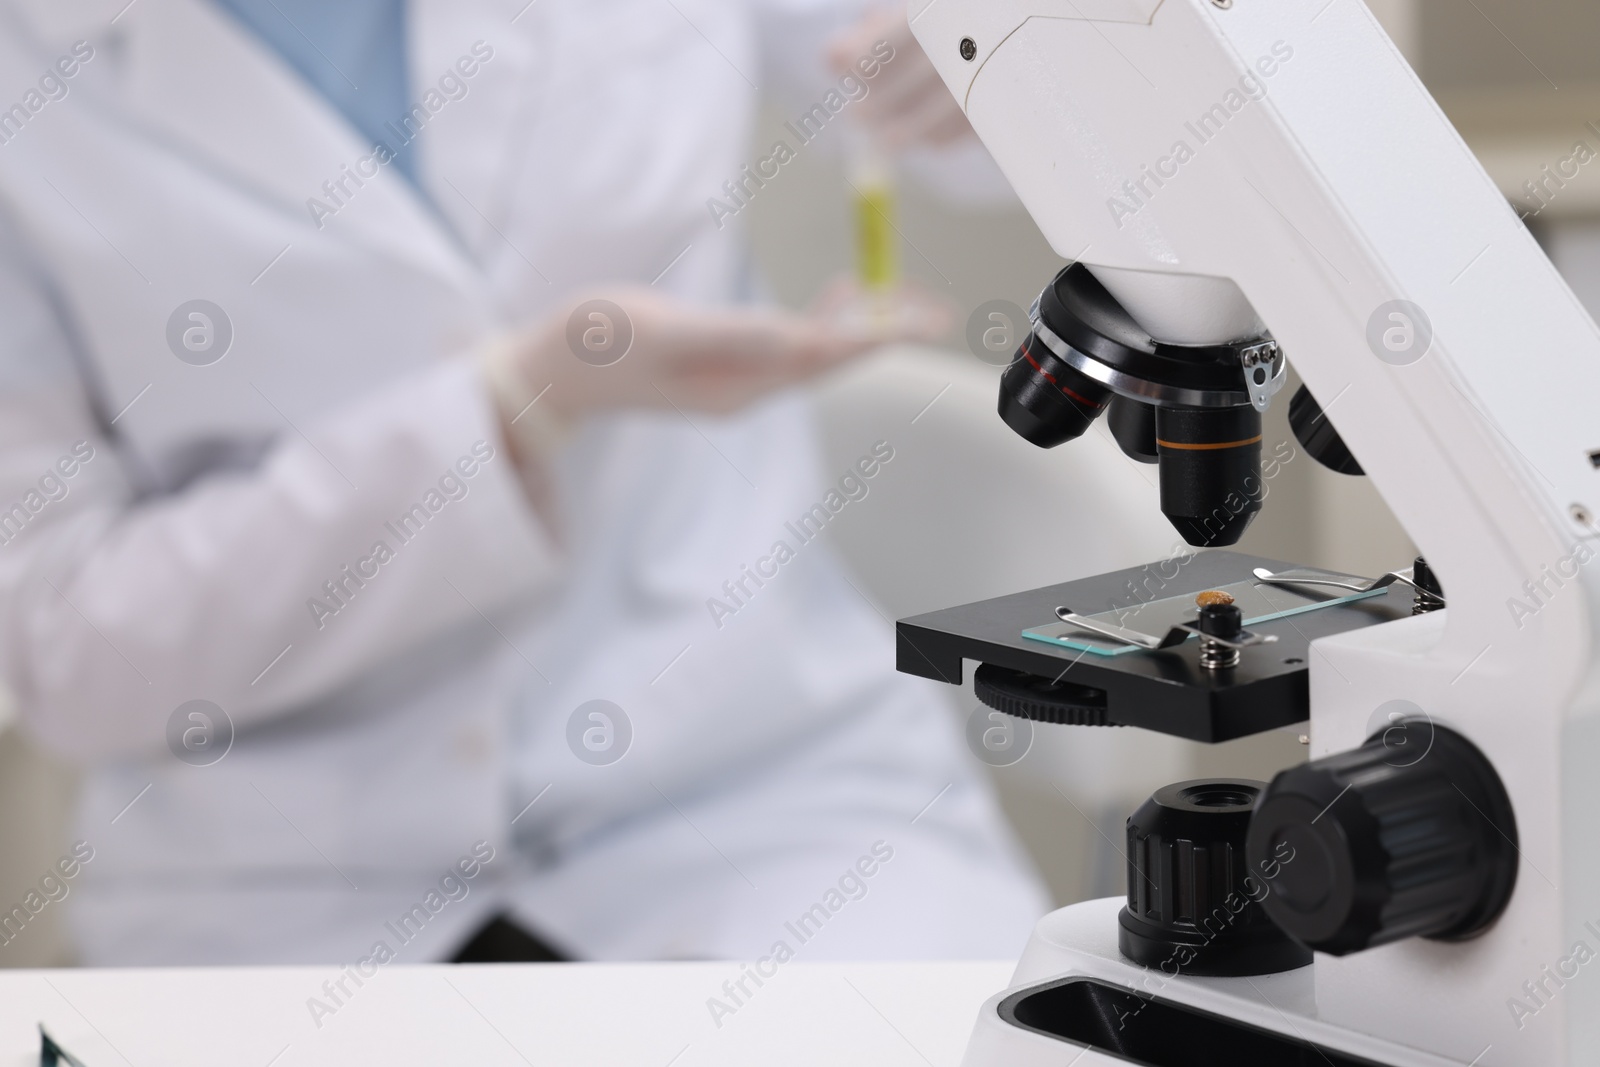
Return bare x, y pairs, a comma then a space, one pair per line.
1520, 79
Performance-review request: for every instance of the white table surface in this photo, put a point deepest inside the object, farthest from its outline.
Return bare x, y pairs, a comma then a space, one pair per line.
616, 1015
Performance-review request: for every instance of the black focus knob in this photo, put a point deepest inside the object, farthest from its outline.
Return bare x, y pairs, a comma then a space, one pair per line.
1410, 835
1193, 899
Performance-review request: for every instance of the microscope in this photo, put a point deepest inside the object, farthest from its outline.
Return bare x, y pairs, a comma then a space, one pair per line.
1237, 183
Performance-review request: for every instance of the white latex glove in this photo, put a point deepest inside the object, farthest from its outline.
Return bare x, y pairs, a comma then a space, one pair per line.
908, 104
634, 348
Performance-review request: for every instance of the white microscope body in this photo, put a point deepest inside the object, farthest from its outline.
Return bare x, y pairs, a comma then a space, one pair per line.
1219, 161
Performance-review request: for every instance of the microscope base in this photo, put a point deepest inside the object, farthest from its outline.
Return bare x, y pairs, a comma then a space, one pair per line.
1076, 991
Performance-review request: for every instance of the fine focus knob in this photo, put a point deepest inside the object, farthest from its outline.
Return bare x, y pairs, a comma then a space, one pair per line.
1410, 835
1193, 900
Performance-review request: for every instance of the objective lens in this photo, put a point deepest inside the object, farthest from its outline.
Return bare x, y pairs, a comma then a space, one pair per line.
1046, 401
1134, 426
1317, 435
1211, 488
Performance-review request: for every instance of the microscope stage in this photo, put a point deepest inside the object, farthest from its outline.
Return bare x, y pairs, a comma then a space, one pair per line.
1166, 691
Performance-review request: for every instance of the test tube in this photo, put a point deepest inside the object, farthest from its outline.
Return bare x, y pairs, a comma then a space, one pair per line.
871, 177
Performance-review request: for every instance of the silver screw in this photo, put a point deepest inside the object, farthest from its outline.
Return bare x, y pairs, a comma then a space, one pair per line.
1582, 516
1224, 4
1305, 739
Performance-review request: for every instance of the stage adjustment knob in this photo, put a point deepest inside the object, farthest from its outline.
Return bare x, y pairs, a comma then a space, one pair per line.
1410, 835
1193, 900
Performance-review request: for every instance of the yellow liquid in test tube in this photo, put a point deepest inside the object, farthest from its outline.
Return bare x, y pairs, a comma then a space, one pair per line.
877, 243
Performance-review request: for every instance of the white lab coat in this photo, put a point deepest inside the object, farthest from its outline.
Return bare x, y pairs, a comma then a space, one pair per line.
374, 748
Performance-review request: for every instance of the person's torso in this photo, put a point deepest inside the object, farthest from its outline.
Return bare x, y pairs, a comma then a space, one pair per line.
185, 163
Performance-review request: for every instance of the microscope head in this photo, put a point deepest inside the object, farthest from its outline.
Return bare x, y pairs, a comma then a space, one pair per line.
1195, 410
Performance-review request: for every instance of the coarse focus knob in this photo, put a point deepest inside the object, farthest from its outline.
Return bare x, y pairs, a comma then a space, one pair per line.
1410, 835
1194, 903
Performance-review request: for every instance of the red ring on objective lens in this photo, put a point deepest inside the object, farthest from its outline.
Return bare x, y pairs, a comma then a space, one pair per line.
1052, 380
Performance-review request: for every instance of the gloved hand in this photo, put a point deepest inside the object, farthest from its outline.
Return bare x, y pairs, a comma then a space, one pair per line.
909, 104
635, 348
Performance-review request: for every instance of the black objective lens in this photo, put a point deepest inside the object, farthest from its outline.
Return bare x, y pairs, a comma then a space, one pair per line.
1046, 401
1134, 426
1317, 435
1211, 488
